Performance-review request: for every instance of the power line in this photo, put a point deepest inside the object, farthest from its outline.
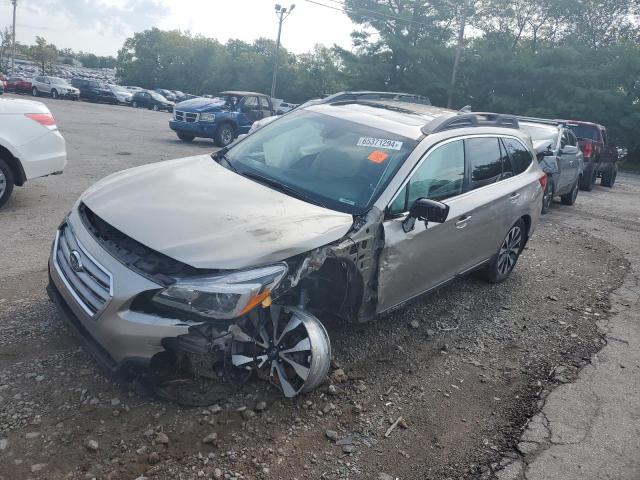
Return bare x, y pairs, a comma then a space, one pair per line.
380, 15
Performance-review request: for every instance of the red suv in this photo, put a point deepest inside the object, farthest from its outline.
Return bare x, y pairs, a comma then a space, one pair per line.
18, 84
600, 156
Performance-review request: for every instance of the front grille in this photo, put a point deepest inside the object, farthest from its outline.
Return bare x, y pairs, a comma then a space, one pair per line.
186, 117
89, 283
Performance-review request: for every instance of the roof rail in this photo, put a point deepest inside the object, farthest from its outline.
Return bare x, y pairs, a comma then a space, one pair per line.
545, 121
465, 120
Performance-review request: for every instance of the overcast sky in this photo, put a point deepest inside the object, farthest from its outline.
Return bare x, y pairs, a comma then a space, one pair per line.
101, 26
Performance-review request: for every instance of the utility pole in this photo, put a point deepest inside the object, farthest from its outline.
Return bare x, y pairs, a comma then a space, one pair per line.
13, 38
282, 14
456, 61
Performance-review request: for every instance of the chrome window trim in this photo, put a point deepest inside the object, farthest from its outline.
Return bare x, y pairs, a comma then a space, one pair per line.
63, 277
450, 140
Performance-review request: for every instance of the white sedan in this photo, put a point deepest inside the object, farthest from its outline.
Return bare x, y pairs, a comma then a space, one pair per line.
31, 145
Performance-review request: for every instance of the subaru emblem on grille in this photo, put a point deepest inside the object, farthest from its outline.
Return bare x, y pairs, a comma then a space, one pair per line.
75, 261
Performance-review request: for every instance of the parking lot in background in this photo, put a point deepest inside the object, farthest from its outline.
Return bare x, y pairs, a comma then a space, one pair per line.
101, 139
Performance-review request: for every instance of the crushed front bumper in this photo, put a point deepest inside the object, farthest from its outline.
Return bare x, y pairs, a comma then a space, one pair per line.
114, 334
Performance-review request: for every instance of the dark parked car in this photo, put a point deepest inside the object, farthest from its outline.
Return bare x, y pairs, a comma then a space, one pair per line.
19, 84
222, 118
94, 90
168, 94
180, 96
151, 100
600, 156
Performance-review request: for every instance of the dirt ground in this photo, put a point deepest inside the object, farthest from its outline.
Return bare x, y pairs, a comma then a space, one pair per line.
458, 373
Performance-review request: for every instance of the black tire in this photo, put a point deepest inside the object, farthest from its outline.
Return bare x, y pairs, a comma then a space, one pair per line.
547, 197
54, 94
609, 178
6, 182
588, 180
512, 245
185, 138
156, 108
225, 135
570, 198
134, 104
34, 92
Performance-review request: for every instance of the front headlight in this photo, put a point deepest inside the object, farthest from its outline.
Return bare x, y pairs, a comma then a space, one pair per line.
207, 117
223, 296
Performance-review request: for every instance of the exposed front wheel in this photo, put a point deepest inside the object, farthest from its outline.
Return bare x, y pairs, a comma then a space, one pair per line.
570, 198
547, 198
54, 94
505, 260
34, 91
156, 108
134, 104
225, 135
609, 178
185, 138
6, 182
285, 345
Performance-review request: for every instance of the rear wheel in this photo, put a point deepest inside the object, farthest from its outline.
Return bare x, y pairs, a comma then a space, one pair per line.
6, 182
570, 198
547, 198
156, 108
54, 94
225, 135
609, 178
34, 91
185, 138
588, 180
505, 260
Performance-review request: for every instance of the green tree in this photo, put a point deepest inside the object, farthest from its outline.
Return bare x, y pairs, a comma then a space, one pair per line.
45, 54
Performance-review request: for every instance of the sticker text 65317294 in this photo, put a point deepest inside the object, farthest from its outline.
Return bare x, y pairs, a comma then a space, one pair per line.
379, 143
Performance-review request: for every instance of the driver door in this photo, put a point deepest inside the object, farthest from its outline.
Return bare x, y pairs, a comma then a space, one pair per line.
420, 260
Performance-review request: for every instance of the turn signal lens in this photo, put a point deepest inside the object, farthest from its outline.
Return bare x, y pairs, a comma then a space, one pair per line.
44, 119
543, 181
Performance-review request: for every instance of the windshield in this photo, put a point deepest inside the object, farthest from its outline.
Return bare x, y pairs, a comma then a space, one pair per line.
334, 162
585, 131
539, 132
58, 81
157, 96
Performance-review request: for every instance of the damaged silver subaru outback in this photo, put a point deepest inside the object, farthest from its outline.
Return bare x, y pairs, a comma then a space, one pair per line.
342, 209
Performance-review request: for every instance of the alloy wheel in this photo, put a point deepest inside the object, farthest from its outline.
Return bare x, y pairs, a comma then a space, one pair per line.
286, 345
509, 250
227, 136
3, 184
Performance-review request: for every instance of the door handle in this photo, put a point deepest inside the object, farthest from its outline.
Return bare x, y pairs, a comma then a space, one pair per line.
464, 220
514, 197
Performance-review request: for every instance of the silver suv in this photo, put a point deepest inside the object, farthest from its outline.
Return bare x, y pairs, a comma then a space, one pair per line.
346, 209
53, 86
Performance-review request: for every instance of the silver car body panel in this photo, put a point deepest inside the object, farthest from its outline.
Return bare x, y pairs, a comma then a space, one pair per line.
202, 214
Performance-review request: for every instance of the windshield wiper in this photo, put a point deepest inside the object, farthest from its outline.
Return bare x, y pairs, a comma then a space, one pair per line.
282, 187
220, 156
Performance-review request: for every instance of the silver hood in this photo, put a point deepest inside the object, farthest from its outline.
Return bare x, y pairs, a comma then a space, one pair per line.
200, 213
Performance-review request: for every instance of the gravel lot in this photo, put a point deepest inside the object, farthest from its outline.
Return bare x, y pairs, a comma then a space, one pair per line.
463, 369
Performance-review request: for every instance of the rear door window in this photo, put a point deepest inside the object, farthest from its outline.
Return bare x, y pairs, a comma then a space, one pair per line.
485, 161
507, 168
520, 155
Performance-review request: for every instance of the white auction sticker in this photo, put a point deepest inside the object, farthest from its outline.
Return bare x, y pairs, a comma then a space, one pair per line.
379, 143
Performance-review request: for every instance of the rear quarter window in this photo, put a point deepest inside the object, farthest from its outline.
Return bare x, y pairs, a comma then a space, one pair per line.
520, 156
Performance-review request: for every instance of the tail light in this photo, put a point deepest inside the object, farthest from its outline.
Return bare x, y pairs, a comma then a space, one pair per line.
44, 119
543, 181
587, 148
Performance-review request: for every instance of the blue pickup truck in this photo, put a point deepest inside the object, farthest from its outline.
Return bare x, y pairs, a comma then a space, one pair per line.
222, 118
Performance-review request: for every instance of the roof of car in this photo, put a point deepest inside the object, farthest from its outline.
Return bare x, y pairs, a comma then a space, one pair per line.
242, 94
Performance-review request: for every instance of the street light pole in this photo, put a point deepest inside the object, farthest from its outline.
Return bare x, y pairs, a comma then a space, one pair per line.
282, 14
13, 38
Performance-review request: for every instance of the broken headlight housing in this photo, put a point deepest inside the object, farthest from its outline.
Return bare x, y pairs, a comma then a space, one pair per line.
223, 296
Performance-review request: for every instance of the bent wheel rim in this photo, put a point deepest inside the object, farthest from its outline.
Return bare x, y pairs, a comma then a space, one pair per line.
509, 251
287, 345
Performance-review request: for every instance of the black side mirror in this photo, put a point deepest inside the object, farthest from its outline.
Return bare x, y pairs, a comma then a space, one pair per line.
426, 210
